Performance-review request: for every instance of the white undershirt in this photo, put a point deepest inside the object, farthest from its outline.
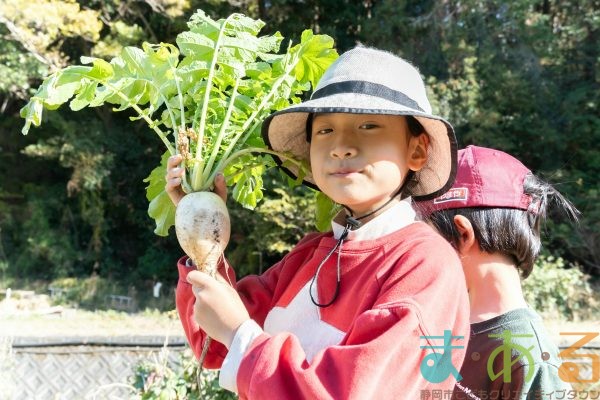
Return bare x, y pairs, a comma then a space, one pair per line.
392, 219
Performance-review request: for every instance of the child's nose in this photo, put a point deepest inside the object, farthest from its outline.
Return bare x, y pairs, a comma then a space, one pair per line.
343, 150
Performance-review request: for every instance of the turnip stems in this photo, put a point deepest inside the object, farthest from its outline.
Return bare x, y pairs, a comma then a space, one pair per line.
198, 168
221, 134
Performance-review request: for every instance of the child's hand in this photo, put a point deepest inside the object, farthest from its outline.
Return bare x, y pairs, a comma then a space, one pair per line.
174, 179
218, 309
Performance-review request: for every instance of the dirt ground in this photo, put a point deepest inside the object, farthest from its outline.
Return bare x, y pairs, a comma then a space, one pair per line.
28, 314
86, 323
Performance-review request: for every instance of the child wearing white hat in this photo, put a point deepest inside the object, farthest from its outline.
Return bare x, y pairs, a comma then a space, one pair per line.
376, 308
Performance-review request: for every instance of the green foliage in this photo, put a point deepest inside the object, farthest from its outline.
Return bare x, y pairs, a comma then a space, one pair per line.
16, 68
345, 20
41, 26
121, 35
160, 206
325, 209
81, 292
208, 106
560, 291
93, 293
46, 229
163, 379
263, 236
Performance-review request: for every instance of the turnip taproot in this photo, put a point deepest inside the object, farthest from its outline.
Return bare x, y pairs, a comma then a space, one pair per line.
203, 228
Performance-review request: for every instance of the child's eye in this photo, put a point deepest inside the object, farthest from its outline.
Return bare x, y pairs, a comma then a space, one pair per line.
368, 125
324, 131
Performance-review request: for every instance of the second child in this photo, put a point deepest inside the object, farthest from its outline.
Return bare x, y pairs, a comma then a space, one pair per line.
492, 216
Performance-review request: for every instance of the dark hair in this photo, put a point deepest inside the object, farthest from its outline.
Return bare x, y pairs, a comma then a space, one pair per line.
509, 231
414, 128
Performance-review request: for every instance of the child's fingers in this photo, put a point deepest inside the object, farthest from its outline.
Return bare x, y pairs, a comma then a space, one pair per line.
173, 185
175, 173
174, 179
199, 279
174, 161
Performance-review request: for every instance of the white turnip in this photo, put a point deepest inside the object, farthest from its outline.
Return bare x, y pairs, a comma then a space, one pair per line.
203, 228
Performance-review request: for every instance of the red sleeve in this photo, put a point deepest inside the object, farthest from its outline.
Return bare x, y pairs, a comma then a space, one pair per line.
184, 301
381, 354
255, 291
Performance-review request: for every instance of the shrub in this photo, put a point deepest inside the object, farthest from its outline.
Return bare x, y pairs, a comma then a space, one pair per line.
557, 290
164, 380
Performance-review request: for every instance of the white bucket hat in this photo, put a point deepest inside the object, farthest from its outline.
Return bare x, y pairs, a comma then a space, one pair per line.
368, 81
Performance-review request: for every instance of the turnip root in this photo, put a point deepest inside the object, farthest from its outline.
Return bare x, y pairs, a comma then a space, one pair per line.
203, 228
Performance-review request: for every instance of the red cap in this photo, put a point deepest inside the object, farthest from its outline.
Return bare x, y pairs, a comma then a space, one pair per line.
485, 178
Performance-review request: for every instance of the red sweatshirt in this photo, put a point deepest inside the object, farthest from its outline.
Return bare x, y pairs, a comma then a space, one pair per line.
370, 343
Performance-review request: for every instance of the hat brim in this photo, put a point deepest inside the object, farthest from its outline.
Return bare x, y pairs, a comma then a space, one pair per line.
285, 132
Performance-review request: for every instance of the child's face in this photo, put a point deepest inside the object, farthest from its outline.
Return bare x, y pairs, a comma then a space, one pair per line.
360, 160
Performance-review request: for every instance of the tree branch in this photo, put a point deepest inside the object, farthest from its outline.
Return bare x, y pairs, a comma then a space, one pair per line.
16, 34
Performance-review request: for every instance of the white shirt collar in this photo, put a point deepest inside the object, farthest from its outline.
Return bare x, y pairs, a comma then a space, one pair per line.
392, 219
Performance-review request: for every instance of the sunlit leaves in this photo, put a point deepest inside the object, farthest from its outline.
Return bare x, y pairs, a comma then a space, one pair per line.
52, 21
218, 83
161, 207
316, 55
246, 178
325, 209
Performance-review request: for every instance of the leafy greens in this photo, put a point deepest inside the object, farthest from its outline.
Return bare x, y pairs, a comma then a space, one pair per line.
205, 98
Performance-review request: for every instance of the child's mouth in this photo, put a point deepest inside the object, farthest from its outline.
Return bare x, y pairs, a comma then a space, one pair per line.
344, 173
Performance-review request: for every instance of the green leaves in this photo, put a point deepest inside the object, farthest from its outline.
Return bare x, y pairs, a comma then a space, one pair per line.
316, 54
161, 207
246, 178
326, 209
100, 69
205, 97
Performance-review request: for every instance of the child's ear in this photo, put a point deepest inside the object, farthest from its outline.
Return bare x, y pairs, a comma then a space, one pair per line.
417, 151
466, 239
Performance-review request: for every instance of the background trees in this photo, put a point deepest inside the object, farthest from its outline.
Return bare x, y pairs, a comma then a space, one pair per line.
520, 76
